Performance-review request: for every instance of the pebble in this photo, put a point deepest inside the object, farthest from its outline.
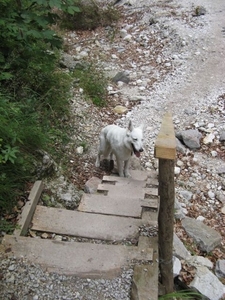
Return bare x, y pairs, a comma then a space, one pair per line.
177, 170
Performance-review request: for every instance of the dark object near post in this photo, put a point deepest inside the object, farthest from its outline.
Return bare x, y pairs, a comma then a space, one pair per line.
165, 151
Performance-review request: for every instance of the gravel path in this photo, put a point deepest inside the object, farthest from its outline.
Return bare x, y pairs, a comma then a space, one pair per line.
185, 57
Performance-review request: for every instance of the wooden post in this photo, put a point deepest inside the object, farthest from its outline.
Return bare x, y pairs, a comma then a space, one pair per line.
165, 151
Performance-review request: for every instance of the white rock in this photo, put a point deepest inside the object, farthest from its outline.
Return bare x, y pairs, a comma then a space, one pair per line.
211, 195
119, 109
213, 153
80, 150
209, 139
139, 81
197, 261
83, 54
123, 33
210, 125
120, 83
58, 238
176, 266
207, 284
180, 163
200, 218
128, 38
176, 170
148, 164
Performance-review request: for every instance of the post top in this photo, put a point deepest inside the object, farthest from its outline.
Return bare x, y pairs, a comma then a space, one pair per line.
165, 145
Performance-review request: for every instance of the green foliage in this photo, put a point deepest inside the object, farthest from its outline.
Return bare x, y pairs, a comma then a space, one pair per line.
180, 295
34, 93
26, 33
6, 226
92, 80
90, 16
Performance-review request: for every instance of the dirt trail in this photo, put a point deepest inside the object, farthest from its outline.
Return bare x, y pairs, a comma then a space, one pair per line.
206, 76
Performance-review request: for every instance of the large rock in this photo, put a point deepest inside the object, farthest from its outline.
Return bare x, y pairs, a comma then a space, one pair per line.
198, 261
206, 237
191, 138
220, 268
179, 250
207, 284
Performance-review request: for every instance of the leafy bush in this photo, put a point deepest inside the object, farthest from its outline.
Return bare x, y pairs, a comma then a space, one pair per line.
34, 93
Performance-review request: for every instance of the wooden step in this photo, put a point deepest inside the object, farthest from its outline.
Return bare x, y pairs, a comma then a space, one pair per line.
128, 189
80, 259
145, 278
88, 225
122, 205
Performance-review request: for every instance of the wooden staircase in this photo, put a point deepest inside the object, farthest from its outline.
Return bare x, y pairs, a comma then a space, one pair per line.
113, 215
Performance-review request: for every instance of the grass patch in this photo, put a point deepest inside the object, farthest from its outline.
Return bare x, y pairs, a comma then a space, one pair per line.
91, 16
94, 84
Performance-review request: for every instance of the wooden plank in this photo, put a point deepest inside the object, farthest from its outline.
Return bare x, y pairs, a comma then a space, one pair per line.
136, 175
150, 203
74, 258
165, 145
121, 205
80, 224
131, 190
28, 209
145, 277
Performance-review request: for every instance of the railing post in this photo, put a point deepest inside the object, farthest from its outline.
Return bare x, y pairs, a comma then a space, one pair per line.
165, 151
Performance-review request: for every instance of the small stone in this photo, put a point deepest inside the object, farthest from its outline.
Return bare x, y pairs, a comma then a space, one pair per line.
209, 139
177, 170
200, 218
123, 33
119, 109
58, 238
128, 38
213, 153
83, 54
80, 150
180, 163
11, 267
211, 195
222, 136
44, 235
114, 56
10, 279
